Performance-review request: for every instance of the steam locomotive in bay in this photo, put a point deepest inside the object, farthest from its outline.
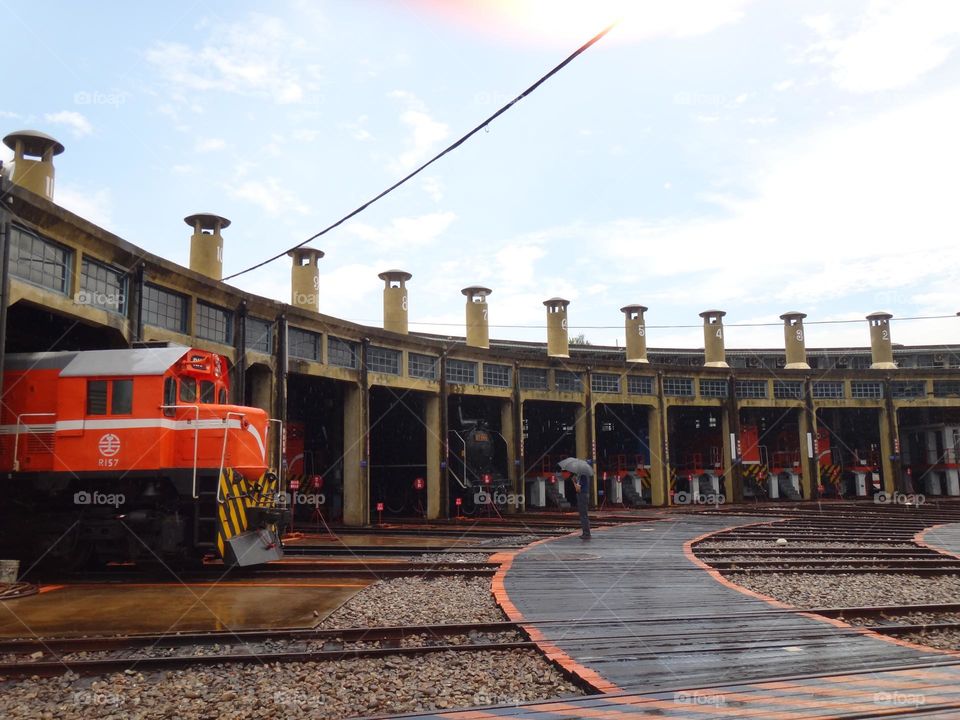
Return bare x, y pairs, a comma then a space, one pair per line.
477, 455
119, 455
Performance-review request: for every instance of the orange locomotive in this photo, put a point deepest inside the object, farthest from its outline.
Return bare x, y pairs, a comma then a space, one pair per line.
134, 453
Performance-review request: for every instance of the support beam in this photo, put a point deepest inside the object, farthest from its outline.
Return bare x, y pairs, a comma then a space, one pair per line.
809, 466
889, 459
581, 426
431, 412
509, 430
356, 489
659, 480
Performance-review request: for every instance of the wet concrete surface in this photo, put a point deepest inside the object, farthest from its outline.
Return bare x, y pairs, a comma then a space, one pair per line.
83, 609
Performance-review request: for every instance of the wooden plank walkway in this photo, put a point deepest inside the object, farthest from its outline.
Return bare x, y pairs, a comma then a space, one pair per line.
633, 613
945, 538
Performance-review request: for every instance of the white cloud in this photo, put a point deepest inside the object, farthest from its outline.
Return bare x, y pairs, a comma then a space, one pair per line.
209, 144
77, 122
9, 114
269, 194
257, 56
895, 44
357, 129
425, 132
93, 205
404, 233
861, 213
432, 187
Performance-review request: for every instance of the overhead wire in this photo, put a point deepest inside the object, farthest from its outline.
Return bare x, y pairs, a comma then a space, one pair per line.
677, 327
450, 148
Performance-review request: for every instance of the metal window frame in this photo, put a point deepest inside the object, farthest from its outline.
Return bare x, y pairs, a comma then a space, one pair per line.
497, 375
315, 338
227, 317
422, 366
461, 372
601, 383
163, 291
377, 360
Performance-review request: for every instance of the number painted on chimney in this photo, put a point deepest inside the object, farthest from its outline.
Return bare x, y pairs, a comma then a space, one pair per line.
720, 333
799, 335
563, 323
403, 303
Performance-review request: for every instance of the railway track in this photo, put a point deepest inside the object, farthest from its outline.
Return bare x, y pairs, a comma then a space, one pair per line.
146, 653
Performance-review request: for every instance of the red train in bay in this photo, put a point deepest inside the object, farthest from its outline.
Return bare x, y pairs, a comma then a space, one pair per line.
117, 455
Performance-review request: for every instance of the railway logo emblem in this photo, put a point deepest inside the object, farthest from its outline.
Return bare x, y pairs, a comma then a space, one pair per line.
109, 445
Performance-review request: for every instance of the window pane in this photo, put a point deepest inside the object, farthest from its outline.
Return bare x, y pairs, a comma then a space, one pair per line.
567, 381
461, 372
122, 401
533, 378
385, 360
259, 335
165, 309
207, 391
214, 323
421, 366
102, 286
96, 397
38, 261
604, 383
223, 396
341, 353
304, 344
188, 389
497, 375
169, 391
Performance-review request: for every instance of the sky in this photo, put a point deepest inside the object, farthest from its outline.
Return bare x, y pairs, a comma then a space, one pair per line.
756, 157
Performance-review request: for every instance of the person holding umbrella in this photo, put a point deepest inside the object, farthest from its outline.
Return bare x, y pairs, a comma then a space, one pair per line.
581, 473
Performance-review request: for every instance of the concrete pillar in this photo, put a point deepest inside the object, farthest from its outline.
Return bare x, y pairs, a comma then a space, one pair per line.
889, 467
581, 426
659, 480
508, 431
558, 344
881, 347
431, 419
33, 154
478, 322
732, 486
395, 300
809, 467
795, 341
206, 244
714, 353
356, 489
261, 390
305, 278
636, 333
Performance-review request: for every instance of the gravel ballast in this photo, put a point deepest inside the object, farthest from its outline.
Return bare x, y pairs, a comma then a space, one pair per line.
853, 589
318, 691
